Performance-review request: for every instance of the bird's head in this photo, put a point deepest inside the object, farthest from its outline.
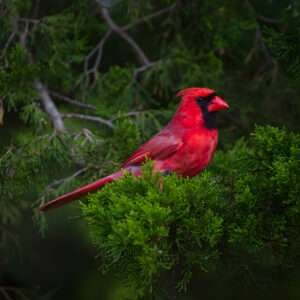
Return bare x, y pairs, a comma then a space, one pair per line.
206, 98
201, 104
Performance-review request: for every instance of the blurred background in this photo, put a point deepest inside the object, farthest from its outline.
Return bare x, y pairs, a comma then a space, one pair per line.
82, 83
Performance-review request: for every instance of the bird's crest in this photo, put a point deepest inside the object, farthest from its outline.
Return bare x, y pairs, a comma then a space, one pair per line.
195, 91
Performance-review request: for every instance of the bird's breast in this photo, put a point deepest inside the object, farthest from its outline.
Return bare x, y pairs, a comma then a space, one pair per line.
196, 152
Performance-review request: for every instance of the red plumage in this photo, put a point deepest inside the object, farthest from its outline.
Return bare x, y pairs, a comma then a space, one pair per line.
185, 145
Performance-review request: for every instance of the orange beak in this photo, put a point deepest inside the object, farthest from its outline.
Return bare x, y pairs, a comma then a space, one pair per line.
217, 104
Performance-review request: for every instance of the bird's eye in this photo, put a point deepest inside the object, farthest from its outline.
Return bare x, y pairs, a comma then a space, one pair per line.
210, 97
207, 98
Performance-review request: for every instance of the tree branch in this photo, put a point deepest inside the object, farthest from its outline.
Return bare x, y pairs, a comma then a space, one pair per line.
144, 68
260, 41
95, 119
45, 98
49, 106
11, 37
7, 44
88, 135
28, 20
267, 20
261, 18
72, 101
1, 112
67, 179
126, 115
5, 294
99, 51
142, 57
149, 17
7, 290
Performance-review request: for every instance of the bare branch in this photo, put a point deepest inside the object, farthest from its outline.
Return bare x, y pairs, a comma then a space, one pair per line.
144, 68
261, 18
28, 20
143, 59
45, 98
98, 50
260, 41
1, 112
265, 50
95, 119
49, 106
67, 179
87, 134
21, 28
149, 17
267, 20
8, 43
5, 294
126, 115
72, 101
24, 35
11, 37
7, 290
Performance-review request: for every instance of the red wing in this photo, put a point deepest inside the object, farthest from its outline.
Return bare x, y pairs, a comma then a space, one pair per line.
161, 146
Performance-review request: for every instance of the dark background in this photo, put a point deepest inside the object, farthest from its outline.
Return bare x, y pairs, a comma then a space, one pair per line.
248, 51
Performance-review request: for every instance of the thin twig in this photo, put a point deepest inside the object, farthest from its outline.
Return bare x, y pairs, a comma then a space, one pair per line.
12, 36
87, 134
267, 20
67, 179
24, 35
144, 68
142, 57
29, 26
95, 119
149, 17
260, 41
7, 44
72, 101
6, 289
45, 98
98, 50
129, 114
261, 18
1, 112
28, 20
5, 294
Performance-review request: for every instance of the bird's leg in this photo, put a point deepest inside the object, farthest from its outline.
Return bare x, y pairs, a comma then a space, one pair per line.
161, 182
166, 172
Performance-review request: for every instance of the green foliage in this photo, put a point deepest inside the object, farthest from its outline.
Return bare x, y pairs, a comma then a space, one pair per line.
31, 165
285, 47
17, 6
141, 228
247, 204
19, 73
284, 42
114, 97
62, 45
33, 115
261, 185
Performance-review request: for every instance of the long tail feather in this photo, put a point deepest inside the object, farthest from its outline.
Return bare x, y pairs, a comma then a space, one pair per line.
69, 197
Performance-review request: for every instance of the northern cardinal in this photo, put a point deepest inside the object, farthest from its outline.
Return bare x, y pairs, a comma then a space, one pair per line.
185, 145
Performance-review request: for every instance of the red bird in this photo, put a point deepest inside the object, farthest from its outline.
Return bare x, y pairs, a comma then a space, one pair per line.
185, 145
